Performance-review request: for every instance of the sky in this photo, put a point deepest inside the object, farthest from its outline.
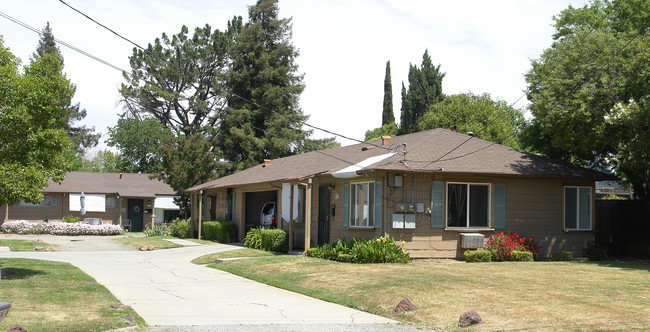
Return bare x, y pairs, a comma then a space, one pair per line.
482, 46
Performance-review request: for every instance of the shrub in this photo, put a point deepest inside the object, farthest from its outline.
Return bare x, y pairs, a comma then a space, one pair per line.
562, 256
59, 228
220, 231
311, 252
474, 256
179, 228
501, 245
267, 239
594, 252
70, 219
378, 250
157, 230
521, 256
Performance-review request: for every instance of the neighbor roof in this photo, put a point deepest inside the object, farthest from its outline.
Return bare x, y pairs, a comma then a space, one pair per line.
431, 151
122, 184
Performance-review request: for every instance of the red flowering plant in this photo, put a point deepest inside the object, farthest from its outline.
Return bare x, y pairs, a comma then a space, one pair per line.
501, 245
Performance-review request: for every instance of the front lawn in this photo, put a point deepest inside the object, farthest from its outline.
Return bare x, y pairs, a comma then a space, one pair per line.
238, 253
546, 296
26, 245
158, 242
53, 296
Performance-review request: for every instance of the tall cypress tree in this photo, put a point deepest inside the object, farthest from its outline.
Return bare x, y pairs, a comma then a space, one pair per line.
263, 118
80, 136
425, 90
387, 116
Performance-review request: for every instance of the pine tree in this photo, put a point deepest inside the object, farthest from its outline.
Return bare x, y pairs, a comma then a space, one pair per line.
263, 118
387, 116
81, 137
425, 90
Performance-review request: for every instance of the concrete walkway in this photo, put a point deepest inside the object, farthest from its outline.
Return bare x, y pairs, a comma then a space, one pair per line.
167, 290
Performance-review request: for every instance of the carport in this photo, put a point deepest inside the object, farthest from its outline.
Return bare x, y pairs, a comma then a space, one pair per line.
254, 203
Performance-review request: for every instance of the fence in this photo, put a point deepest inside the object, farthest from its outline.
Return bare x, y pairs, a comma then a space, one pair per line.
623, 227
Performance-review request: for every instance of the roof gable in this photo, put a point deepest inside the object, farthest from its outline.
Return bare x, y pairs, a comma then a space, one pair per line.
122, 184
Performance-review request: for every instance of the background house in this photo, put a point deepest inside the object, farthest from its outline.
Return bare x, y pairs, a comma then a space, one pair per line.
112, 197
427, 188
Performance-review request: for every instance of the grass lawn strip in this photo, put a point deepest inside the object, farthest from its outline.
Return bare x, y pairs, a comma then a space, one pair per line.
54, 296
541, 296
238, 253
157, 242
26, 245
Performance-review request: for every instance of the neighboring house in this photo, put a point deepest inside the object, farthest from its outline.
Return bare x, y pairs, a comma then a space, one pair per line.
606, 188
113, 197
428, 189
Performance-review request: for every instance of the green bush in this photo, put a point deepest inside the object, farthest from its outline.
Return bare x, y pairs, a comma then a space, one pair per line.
475, 256
562, 256
220, 231
180, 229
594, 252
521, 256
378, 250
311, 252
70, 219
267, 239
157, 230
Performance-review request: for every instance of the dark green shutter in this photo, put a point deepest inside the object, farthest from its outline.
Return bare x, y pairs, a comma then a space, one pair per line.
499, 205
377, 204
346, 198
437, 204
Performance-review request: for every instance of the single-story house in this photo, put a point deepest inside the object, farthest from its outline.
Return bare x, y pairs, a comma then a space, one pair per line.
440, 191
113, 197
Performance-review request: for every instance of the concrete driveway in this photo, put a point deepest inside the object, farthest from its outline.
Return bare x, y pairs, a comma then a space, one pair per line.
167, 290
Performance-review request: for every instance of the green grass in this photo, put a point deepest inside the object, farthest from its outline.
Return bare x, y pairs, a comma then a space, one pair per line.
157, 242
53, 296
26, 245
541, 296
207, 259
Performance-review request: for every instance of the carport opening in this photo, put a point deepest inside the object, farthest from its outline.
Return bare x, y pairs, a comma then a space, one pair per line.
254, 203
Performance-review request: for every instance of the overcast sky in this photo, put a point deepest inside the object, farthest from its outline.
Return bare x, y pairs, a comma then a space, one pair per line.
483, 46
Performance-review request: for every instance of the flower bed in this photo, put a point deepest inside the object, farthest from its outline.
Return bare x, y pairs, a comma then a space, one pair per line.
501, 245
58, 228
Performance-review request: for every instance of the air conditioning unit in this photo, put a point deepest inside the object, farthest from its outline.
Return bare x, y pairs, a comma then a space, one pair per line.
471, 240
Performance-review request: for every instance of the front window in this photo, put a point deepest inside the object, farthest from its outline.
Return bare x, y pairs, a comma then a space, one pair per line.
468, 205
48, 201
362, 201
577, 208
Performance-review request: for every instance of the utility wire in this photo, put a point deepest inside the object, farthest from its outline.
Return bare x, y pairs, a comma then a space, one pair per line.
76, 49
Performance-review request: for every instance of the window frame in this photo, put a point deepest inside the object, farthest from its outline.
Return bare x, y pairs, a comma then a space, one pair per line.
467, 221
48, 201
370, 194
577, 216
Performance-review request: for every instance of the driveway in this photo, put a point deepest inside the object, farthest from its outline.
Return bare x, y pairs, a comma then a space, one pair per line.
167, 290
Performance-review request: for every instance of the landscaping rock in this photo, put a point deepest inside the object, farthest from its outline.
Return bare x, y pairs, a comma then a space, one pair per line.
147, 248
16, 328
130, 318
119, 306
39, 248
405, 305
469, 318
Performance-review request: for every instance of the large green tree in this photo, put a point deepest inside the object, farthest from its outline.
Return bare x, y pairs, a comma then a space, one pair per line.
589, 91
82, 137
264, 119
425, 89
32, 141
491, 120
387, 116
179, 80
140, 143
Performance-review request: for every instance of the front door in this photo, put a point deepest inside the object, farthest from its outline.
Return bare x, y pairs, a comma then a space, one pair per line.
135, 214
323, 215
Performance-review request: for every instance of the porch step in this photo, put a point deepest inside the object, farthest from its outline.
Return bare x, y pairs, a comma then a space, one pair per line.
184, 243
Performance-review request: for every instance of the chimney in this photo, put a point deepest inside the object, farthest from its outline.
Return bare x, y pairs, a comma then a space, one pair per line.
385, 140
120, 175
267, 162
470, 133
452, 128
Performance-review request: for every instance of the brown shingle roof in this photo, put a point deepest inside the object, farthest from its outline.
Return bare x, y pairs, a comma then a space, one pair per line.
436, 150
129, 185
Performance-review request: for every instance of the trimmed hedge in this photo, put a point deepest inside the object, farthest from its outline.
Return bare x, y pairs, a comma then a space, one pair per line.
220, 231
267, 239
180, 229
521, 256
562, 256
377, 250
476, 256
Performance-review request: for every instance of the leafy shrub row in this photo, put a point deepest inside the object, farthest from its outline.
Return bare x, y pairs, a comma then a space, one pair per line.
220, 231
179, 228
267, 239
562, 256
475, 256
59, 228
502, 245
157, 230
70, 219
377, 250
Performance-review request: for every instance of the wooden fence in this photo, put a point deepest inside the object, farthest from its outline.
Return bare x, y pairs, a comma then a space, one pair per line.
623, 227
